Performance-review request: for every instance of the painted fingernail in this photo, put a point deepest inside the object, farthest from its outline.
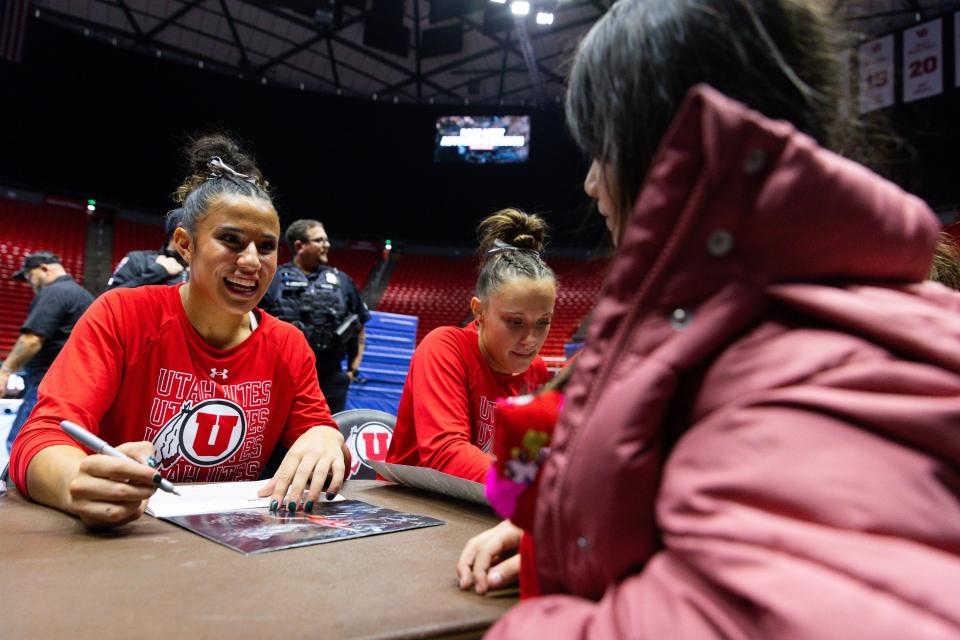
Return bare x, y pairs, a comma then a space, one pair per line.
274, 505
308, 506
157, 478
292, 506
495, 578
331, 496
152, 462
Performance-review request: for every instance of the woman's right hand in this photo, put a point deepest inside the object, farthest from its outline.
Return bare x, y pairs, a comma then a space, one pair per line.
498, 545
170, 264
108, 492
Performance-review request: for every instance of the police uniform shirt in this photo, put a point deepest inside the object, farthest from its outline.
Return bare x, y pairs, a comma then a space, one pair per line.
324, 275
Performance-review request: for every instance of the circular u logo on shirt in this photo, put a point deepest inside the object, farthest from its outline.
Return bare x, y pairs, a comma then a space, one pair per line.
206, 434
212, 432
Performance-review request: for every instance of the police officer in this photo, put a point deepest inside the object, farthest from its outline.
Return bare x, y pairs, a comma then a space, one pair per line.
153, 267
323, 303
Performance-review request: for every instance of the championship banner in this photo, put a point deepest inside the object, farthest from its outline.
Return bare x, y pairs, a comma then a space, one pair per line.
876, 74
13, 28
923, 61
956, 48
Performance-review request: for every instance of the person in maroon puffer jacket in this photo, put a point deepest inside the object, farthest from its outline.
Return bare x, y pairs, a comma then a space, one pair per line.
762, 435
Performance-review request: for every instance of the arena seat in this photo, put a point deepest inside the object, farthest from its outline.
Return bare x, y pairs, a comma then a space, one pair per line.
437, 289
355, 263
130, 235
26, 227
579, 281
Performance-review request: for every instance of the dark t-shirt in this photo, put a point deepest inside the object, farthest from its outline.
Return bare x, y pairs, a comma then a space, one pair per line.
52, 314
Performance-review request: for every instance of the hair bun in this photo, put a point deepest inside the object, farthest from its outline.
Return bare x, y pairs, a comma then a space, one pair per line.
199, 152
522, 230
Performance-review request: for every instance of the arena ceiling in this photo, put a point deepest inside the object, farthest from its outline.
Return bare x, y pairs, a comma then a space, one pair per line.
877, 17
472, 52
352, 47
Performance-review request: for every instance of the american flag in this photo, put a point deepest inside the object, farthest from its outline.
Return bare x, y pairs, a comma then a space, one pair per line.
13, 27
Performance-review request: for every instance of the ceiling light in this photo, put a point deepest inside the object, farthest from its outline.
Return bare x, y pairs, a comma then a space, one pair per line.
544, 17
520, 7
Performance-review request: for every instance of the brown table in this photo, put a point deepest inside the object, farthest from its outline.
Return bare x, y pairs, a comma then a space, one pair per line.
152, 579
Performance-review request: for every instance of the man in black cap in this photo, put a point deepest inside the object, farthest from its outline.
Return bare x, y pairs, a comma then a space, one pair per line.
58, 303
153, 267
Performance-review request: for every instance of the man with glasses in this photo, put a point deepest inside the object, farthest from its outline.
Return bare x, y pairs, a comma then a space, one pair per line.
324, 303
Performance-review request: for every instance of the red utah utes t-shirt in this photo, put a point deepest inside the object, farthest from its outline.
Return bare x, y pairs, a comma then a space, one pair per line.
135, 369
446, 416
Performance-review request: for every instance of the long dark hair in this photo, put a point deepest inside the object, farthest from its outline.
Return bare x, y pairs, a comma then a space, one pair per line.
634, 67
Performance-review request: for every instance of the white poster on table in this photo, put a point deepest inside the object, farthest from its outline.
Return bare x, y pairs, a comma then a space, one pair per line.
923, 61
876, 74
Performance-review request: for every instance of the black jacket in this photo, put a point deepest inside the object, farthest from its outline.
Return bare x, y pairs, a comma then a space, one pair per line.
140, 268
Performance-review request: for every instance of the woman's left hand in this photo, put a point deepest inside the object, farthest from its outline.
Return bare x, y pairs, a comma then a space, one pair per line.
488, 561
316, 455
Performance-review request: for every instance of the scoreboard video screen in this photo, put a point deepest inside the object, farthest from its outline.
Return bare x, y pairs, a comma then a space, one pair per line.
482, 139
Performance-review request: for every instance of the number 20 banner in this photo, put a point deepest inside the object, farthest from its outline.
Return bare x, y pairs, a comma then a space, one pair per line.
923, 61
876, 74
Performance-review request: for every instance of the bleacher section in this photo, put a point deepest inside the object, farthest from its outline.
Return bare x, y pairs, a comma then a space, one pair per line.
436, 289
25, 227
355, 263
130, 235
580, 282
386, 360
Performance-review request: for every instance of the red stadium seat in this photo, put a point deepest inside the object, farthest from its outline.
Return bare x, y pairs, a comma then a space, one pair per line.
26, 227
355, 263
130, 235
438, 290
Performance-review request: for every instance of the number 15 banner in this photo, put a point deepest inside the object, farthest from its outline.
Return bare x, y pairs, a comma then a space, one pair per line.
922, 61
876, 74
956, 47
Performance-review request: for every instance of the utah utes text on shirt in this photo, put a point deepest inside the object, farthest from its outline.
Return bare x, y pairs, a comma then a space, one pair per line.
198, 423
485, 424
